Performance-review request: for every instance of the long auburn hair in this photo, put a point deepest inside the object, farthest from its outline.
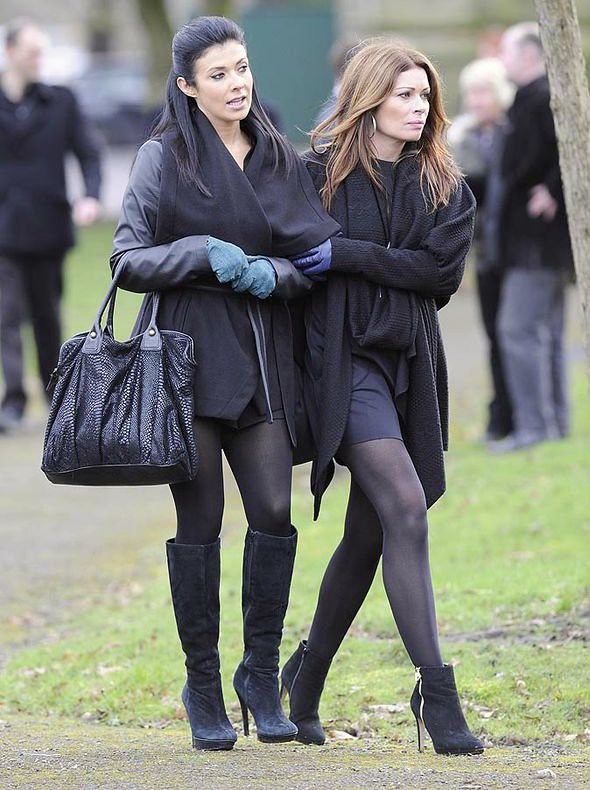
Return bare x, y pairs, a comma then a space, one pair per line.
346, 133
188, 45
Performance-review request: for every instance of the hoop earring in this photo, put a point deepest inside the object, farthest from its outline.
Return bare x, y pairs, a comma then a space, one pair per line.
374, 125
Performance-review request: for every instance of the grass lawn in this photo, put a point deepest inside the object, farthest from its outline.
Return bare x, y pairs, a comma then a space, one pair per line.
509, 552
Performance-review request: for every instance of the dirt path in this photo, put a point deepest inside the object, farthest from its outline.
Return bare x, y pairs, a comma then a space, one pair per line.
37, 754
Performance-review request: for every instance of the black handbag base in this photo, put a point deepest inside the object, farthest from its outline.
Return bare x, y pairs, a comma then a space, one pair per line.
120, 475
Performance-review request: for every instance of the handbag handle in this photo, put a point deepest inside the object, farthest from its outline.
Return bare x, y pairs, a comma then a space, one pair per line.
151, 338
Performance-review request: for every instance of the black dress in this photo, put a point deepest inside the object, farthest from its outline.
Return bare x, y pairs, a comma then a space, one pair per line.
372, 413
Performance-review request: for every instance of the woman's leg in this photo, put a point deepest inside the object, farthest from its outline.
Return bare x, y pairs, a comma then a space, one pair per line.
199, 502
385, 473
194, 571
261, 460
348, 577
344, 587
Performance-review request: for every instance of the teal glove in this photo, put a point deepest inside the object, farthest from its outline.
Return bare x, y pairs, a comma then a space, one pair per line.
259, 278
227, 260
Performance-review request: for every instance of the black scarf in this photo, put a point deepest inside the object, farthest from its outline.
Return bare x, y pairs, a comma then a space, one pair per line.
259, 209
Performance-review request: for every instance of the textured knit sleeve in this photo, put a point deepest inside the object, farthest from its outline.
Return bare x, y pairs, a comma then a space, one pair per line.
434, 269
148, 266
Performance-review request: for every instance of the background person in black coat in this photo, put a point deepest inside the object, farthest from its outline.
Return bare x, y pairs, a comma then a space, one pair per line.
533, 244
39, 124
476, 141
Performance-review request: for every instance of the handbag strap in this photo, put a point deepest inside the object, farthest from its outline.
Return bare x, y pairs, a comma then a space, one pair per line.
151, 338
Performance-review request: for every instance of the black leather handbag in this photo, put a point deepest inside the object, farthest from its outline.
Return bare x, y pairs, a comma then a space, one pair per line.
122, 412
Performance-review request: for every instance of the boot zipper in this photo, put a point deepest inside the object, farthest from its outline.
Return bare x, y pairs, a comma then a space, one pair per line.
419, 681
298, 670
420, 719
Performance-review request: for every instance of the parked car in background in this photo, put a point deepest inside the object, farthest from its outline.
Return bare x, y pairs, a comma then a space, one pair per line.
114, 95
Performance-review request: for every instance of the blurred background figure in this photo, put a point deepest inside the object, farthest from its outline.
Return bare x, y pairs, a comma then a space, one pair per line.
489, 40
476, 138
39, 124
529, 224
340, 53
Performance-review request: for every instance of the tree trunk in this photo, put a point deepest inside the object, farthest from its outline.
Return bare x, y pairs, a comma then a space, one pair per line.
570, 103
158, 28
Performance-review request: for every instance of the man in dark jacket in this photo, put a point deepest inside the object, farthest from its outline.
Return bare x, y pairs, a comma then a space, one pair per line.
39, 124
534, 246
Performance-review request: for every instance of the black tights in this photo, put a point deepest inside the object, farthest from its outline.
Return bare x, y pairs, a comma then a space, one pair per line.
386, 516
260, 458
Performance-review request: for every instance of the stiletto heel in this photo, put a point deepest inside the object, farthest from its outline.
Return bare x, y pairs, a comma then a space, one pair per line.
437, 709
421, 733
245, 717
283, 691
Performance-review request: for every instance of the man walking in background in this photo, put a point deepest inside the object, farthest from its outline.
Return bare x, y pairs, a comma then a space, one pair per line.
534, 246
39, 124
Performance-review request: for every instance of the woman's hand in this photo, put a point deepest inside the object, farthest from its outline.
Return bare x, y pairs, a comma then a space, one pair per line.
259, 278
316, 261
227, 260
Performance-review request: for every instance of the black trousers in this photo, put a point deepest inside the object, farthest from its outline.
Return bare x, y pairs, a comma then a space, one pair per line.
30, 289
489, 286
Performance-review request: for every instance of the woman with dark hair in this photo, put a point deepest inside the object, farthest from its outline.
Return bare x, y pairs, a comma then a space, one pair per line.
213, 198
376, 385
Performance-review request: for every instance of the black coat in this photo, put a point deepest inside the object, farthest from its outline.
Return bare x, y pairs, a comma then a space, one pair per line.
161, 242
427, 257
35, 136
530, 157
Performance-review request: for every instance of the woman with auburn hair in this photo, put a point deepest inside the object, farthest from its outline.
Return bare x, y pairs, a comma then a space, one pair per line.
376, 384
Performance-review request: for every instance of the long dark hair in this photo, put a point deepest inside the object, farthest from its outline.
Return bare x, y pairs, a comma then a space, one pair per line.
188, 45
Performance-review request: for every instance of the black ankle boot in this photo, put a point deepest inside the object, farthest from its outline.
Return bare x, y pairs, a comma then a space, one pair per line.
303, 678
268, 567
194, 581
435, 704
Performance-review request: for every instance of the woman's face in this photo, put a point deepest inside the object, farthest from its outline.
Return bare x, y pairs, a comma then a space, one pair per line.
222, 83
480, 100
403, 114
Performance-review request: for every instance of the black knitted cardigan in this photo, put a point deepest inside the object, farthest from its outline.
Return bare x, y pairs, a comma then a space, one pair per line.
427, 258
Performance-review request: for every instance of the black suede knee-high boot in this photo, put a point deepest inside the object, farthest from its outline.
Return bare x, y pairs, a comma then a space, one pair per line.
194, 581
267, 572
